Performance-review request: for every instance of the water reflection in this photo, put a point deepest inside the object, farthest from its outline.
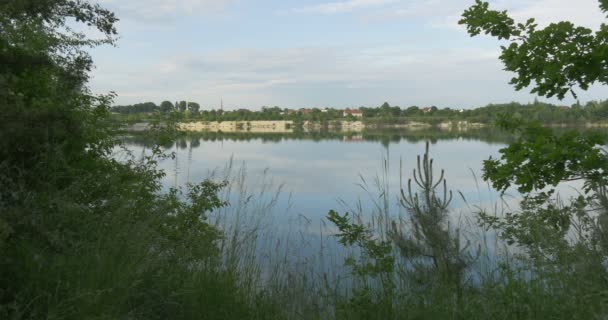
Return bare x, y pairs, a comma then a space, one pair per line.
323, 171
384, 137
324, 167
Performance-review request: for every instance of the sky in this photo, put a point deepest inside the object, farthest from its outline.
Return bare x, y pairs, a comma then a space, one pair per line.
316, 53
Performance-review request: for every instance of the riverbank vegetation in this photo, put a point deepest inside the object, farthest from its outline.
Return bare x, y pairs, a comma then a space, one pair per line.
577, 114
85, 236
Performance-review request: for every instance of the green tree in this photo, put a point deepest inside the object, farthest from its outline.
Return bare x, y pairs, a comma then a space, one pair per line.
82, 235
431, 237
412, 111
166, 106
182, 106
194, 107
556, 58
47, 111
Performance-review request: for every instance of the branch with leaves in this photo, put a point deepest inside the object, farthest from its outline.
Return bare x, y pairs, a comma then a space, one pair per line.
554, 60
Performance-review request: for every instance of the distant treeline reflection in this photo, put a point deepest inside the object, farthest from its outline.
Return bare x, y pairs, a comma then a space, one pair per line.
385, 137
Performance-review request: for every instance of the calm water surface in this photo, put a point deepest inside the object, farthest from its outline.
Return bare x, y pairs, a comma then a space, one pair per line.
333, 171
282, 186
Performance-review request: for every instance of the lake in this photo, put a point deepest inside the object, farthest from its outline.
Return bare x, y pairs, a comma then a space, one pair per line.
282, 186
320, 169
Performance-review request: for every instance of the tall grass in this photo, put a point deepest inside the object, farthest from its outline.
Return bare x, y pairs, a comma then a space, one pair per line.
499, 281
382, 261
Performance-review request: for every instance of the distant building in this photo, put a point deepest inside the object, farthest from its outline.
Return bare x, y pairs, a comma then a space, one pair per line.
305, 111
353, 112
357, 138
426, 109
324, 110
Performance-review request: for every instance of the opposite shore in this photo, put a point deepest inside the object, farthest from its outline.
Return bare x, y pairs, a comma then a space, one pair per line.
286, 126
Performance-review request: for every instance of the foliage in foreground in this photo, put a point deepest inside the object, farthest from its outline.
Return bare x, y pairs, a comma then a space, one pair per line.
554, 60
83, 236
424, 265
559, 270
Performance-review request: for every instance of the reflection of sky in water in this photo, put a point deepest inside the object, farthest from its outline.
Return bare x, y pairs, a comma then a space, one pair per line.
326, 174
319, 173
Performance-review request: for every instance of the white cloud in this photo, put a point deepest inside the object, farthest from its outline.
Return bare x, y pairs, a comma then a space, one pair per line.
255, 77
344, 6
403, 72
444, 14
580, 12
150, 10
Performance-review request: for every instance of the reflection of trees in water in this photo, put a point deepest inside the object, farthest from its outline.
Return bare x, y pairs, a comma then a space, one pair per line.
384, 137
166, 144
182, 143
195, 142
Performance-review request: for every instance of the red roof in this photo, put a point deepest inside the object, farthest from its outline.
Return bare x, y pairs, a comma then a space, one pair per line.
353, 111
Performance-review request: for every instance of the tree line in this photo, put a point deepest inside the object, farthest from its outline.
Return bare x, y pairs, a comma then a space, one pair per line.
537, 110
164, 107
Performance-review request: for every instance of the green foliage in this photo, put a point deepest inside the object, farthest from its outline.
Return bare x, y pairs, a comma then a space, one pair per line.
576, 115
146, 107
182, 106
376, 261
431, 251
555, 277
166, 106
83, 236
542, 229
150, 107
540, 158
479, 18
352, 234
557, 58
429, 235
193, 107
561, 241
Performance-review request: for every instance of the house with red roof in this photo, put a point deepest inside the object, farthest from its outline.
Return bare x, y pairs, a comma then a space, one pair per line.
353, 112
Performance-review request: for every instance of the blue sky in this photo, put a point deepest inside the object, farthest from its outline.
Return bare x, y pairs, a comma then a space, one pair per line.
315, 53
